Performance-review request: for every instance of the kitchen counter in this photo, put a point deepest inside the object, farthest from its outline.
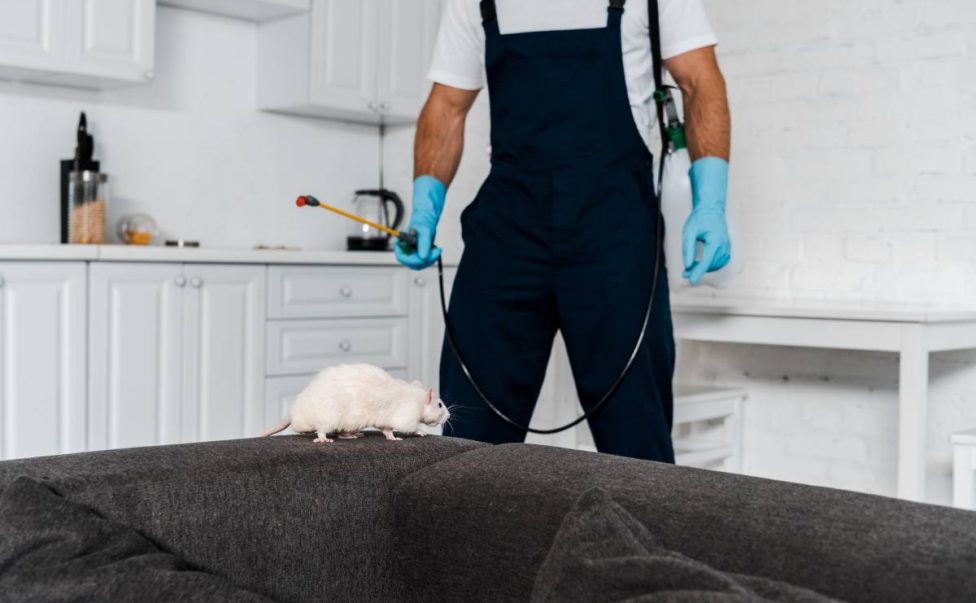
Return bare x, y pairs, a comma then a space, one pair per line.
156, 253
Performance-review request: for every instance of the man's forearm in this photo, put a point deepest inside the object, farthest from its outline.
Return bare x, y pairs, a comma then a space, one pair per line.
707, 121
440, 138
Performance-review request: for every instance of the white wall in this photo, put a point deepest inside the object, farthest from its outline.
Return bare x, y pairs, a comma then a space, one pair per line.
190, 149
854, 177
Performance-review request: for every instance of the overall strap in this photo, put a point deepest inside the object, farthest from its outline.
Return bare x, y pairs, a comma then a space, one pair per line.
488, 12
660, 95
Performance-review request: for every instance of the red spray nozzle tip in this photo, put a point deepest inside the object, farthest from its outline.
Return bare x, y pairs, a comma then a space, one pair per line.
301, 201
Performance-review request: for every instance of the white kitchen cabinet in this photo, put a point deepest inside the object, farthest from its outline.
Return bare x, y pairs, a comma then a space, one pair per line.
176, 353
426, 326
136, 332
253, 10
362, 61
86, 43
42, 358
343, 54
408, 32
223, 360
28, 38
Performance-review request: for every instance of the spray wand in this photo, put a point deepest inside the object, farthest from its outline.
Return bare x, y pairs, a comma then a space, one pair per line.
407, 241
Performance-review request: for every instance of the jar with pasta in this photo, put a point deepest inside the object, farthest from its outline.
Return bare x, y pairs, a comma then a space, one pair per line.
87, 202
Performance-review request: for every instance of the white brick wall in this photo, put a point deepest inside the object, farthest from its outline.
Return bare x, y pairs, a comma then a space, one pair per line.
854, 177
875, 164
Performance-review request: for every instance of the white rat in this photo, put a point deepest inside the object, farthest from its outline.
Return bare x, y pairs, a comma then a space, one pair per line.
347, 398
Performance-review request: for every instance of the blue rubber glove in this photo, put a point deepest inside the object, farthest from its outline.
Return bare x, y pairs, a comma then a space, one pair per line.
709, 186
428, 203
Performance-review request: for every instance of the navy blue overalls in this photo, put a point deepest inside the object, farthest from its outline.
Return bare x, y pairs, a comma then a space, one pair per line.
561, 237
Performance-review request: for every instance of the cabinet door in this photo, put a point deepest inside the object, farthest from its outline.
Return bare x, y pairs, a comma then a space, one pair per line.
42, 358
408, 31
135, 332
426, 325
112, 39
29, 33
343, 54
223, 395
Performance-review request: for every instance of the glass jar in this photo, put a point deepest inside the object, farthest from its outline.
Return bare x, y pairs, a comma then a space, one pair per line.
88, 207
137, 229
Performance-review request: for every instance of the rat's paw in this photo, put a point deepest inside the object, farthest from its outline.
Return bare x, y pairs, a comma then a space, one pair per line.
421, 434
323, 440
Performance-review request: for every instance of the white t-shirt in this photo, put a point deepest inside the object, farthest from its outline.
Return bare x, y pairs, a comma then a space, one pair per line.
459, 55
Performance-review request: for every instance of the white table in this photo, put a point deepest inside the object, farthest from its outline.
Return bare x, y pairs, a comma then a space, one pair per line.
911, 331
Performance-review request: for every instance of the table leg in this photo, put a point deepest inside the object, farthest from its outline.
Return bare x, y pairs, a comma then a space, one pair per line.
912, 411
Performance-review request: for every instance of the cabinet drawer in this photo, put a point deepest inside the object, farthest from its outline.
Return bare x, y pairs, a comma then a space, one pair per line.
308, 346
326, 292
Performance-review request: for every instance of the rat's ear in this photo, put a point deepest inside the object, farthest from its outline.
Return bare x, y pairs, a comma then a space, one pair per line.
430, 396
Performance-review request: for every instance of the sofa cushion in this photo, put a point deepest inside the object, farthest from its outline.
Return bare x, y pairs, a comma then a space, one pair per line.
602, 554
477, 526
52, 549
281, 516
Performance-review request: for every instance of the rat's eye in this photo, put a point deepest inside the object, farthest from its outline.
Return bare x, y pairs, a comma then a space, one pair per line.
440, 404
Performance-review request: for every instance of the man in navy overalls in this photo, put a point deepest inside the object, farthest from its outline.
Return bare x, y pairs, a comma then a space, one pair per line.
561, 235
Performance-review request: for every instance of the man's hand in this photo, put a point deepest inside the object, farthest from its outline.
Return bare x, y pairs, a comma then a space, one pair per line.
708, 132
707, 220
428, 203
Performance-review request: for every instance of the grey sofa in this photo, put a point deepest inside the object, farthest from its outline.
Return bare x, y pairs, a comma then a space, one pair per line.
441, 519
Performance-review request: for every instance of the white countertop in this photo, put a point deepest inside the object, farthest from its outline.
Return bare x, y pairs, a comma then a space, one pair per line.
825, 309
156, 253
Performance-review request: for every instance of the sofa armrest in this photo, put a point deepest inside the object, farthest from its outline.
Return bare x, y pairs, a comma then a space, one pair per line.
279, 516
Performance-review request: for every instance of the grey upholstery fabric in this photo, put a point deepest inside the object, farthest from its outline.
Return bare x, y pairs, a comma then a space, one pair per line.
282, 517
52, 549
601, 554
477, 527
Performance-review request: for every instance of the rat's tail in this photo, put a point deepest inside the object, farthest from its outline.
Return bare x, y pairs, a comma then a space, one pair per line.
279, 427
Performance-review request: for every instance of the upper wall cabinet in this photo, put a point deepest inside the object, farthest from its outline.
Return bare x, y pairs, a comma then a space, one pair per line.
358, 60
253, 10
85, 43
408, 31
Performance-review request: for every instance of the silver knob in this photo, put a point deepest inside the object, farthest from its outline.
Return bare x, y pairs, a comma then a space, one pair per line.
2, 283
180, 281
345, 345
384, 107
420, 281
345, 292
196, 281
373, 107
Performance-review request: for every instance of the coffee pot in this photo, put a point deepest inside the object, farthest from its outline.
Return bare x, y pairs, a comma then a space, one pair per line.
377, 205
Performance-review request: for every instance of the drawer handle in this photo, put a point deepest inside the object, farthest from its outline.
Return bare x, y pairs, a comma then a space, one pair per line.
196, 281
345, 292
180, 281
420, 281
345, 345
